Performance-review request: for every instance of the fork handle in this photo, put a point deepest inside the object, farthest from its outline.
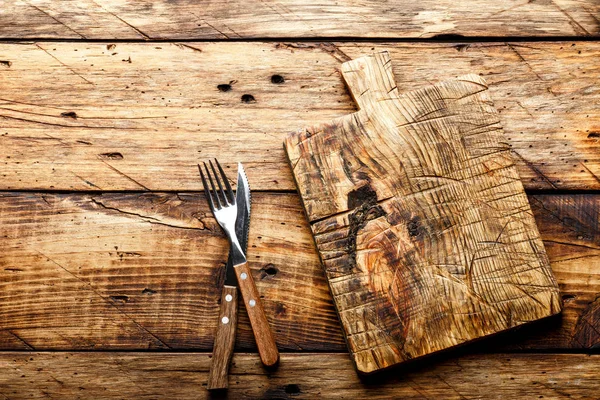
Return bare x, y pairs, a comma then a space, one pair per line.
267, 349
224, 340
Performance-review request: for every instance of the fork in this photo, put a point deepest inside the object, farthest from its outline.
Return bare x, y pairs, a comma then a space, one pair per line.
223, 205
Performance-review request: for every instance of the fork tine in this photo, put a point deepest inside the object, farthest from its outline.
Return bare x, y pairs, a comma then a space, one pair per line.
212, 185
206, 191
231, 197
221, 192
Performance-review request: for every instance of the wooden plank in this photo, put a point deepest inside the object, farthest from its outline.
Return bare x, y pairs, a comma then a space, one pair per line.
138, 271
29, 375
164, 19
420, 218
147, 113
145, 271
570, 228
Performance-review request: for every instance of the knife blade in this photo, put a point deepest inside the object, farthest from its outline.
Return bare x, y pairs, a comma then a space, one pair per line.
265, 341
242, 222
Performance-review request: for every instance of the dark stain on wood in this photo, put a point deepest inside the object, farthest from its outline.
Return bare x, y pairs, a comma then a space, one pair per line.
285, 392
364, 202
280, 309
219, 275
363, 195
414, 227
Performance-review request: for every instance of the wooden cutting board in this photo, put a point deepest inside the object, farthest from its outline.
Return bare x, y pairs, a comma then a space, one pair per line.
420, 218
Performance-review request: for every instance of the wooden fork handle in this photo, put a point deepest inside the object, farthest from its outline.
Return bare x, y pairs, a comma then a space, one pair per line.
224, 340
267, 349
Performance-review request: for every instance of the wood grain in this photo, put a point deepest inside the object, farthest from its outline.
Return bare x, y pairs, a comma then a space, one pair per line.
419, 216
301, 376
145, 271
218, 374
91, 116
89, 19
64, 285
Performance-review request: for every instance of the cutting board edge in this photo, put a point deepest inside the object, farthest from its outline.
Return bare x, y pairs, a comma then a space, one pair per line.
335, 307
457, 347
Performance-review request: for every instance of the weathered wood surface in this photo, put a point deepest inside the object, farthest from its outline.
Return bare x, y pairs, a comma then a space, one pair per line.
145, 271
147, 113
137, 271
420, 218
33, 375
164, 19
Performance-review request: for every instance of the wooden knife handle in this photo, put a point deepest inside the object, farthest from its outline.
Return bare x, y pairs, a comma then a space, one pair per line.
267, 349
224, 340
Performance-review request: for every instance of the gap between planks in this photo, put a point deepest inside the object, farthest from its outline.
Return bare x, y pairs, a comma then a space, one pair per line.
324, 39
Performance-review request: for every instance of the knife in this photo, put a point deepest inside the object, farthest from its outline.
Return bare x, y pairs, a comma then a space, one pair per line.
239, 275
267, 348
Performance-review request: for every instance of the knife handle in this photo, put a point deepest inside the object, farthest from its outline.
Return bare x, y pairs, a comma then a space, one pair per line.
224, 340
267, 349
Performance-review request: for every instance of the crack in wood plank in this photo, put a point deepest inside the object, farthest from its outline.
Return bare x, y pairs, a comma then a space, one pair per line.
106, 300
145, 218
63, 64
55, 19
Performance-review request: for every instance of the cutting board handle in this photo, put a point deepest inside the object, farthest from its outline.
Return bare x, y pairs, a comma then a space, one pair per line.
370, 79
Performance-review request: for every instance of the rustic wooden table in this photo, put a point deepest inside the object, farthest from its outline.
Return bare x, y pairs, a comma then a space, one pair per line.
110, 256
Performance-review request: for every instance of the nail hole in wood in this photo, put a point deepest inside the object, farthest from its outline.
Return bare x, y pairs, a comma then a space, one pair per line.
568, 298
292, 389
268, 271
277, 79
248, 98
111, 156
69, 114
120, 298
225, 87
